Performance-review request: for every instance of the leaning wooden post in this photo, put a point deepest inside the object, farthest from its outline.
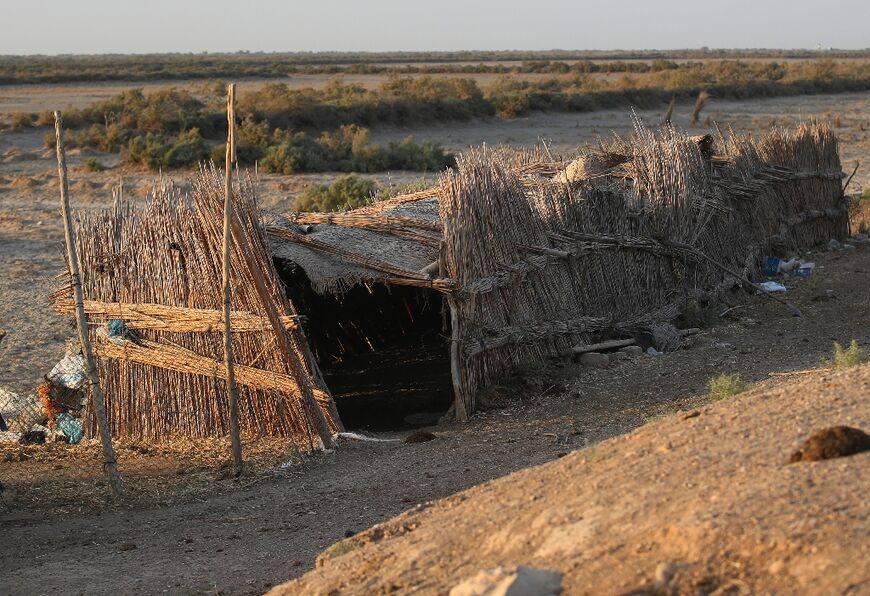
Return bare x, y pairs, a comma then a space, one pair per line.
98, 401
232, 390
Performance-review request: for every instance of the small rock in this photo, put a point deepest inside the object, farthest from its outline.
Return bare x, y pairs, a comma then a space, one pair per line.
127, 546
511, 581
349, 533
653, 352
775, 567
594, 359
420, 436
848, 247
692, 414
836, 441
632, 350
617, 356
833, 244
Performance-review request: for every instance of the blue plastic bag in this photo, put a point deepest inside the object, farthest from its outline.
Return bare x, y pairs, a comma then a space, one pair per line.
70, 427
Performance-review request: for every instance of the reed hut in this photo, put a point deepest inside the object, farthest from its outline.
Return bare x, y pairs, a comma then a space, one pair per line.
511, 259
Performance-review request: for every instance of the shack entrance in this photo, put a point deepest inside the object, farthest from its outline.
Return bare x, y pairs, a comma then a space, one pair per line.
383, 350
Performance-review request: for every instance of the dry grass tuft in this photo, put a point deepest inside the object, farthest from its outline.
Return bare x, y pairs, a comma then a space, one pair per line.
848, 357
726, 385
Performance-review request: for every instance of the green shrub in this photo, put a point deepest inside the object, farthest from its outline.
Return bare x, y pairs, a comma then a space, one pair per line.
346, 192
92, 164
726, 385
846, 358
188, 149
156, 151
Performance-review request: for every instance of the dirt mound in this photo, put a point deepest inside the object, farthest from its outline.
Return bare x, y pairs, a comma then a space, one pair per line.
702, 504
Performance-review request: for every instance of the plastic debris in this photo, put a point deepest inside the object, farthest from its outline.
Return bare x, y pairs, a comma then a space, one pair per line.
116, 331
70, 427
833, 244
794, 267
772, 286
69, 371
20, 411
805, 270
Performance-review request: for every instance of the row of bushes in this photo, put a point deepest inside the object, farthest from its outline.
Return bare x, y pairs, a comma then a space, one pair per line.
281, 151
411, 100
54, 69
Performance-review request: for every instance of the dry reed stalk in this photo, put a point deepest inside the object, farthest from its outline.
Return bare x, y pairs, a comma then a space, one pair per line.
670, 111
169, 318
179, 359
97, 400
700, 102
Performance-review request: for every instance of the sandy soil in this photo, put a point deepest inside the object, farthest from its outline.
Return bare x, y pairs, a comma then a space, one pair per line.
699, 503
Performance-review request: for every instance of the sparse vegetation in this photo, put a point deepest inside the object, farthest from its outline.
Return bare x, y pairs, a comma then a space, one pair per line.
304, 130
22, 120
345, 192
726, 385
92, 164
848, 357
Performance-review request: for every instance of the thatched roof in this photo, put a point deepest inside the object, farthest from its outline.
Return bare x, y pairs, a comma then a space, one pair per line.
340, 250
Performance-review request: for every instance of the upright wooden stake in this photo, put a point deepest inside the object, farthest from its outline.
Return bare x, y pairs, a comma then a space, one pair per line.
232, 390
98, 401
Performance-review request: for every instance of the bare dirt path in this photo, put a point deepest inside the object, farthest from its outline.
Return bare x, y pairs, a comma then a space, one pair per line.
242, 537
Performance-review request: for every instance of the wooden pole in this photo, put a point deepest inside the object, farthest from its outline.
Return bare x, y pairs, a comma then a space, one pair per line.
232, 390
232, 223
98, 401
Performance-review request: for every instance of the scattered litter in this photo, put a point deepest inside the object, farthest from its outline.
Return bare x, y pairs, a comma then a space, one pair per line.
653, 352
833, 244
70, 427
69, 371
848, 247
795, 267
804, 270
20, 411
772, 286
862, 237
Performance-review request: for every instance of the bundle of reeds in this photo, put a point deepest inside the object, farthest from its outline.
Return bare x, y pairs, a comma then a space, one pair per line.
542, 265
159, 269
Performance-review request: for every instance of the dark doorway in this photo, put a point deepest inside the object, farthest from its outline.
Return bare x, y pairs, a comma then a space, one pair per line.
383, 350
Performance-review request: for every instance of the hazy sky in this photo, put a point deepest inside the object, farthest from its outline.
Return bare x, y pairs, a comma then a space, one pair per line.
136, 26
